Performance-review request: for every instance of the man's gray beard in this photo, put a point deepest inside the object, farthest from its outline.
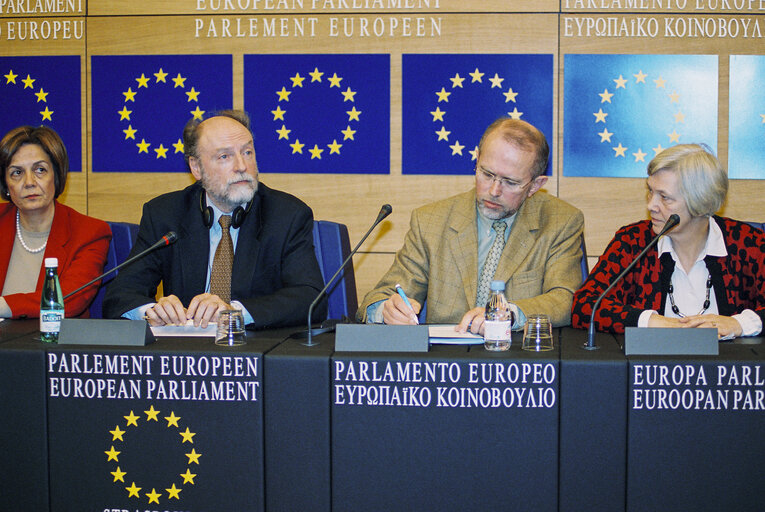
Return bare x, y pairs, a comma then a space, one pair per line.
490, 214
232, 201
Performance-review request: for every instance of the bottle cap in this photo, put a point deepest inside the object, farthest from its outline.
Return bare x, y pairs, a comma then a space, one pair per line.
497, 286
51, 262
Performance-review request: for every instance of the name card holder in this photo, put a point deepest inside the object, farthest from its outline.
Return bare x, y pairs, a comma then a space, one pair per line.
381, 338
671, 341
115, 333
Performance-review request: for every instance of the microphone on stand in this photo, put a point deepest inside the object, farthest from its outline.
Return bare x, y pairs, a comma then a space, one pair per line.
384, 212
673, 221
169, 238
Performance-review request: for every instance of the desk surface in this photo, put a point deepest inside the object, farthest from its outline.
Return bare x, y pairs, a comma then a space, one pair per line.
297, 417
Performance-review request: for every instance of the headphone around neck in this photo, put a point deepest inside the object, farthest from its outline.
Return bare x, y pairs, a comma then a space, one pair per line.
208, 216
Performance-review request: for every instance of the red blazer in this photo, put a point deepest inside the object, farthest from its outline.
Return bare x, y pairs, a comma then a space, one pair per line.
738, 279
79, 242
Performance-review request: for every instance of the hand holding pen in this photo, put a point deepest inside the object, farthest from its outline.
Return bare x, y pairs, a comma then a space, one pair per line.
402, 294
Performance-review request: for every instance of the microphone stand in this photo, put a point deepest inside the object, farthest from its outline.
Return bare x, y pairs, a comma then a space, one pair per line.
169, 238
673, 221
384, 212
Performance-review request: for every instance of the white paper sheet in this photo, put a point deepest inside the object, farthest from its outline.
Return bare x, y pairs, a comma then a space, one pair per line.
185, 330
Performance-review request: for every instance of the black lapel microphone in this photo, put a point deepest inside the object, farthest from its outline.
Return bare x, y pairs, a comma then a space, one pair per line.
169, 238
384, 212
673, 221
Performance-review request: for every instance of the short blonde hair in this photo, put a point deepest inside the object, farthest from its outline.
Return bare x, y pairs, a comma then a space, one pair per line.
703, 181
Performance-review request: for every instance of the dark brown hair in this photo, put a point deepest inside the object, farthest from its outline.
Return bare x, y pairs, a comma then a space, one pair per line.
42, 136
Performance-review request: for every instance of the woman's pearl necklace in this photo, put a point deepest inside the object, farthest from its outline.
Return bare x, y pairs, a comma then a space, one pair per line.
23, 243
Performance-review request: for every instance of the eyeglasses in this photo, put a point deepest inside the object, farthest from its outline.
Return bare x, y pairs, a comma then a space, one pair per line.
505, 183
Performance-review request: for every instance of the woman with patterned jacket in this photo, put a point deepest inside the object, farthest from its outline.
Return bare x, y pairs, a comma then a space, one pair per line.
708, 271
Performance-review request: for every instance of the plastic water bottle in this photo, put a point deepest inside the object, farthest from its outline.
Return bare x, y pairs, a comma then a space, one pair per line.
499, 319
51, 303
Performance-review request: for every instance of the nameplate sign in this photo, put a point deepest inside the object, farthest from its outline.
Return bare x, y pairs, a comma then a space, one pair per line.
381, 338
670, 341
115, 333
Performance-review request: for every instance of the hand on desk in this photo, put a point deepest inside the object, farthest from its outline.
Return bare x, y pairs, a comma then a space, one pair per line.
202, 309
396, 312
472, 320
726, 326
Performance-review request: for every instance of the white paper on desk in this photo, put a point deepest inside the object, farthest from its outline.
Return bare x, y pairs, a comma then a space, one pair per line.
446, 335
185, 330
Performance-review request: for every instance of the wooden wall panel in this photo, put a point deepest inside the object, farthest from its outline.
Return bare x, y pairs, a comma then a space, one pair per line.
132, 27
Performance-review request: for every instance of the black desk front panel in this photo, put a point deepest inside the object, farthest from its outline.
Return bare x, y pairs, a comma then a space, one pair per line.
593, 423
23, 421
297, 436
176, 425
445, 430
695, 431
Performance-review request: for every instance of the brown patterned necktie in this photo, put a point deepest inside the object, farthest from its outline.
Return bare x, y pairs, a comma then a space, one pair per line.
220, 277
490, 266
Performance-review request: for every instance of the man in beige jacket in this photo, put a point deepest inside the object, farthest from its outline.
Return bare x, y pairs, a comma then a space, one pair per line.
530, 240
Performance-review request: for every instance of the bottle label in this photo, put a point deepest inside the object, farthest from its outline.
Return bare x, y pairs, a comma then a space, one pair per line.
50, 320
496, 329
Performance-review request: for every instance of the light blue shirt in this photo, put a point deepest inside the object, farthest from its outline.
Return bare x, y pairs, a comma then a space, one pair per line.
486, 237
216, 233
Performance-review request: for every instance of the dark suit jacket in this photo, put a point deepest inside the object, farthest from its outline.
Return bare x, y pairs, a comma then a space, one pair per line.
275, 274
79, 242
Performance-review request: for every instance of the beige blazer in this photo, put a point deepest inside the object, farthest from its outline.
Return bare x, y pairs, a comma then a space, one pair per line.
439, 260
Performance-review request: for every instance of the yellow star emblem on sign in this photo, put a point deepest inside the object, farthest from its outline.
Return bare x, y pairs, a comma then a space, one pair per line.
187, 436
152, 413
188, 477
10, 77
118, 475
193, 456
112, 454
606, 97
130, 132
438, 115
153, 496
151, 422
144, 81
41, 95
286, 131
173, 492
116, 433
133, 491
316, 152
47, 114
353, 114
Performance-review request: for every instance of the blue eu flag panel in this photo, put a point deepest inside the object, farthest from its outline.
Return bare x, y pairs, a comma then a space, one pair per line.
142, 102
320, 113
449, 100
746, 144
621, 110
44, 91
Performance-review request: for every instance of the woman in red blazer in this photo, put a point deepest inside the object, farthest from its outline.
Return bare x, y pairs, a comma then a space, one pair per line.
34, 226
